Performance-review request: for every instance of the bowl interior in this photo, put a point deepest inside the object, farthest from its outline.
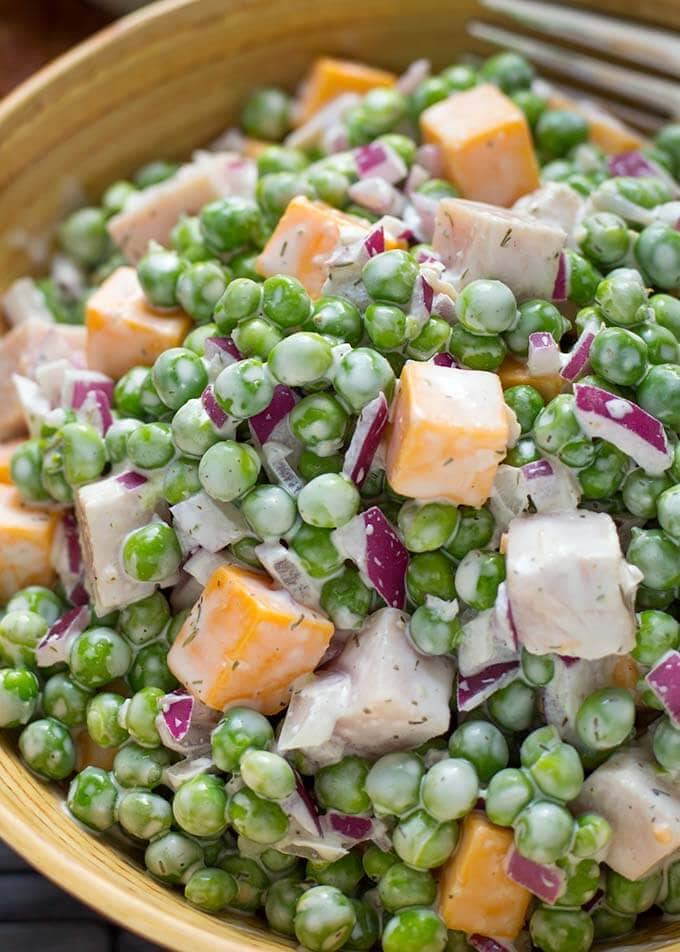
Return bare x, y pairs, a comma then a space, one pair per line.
160, 83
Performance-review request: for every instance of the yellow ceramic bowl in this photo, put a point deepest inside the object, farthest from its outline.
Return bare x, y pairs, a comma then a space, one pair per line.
160, 83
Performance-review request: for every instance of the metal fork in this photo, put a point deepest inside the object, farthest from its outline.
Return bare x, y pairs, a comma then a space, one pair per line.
652, 100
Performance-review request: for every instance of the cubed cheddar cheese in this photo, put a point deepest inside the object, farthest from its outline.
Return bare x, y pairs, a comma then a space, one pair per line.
25, 544
475, 893
513, 373
306, 235
448, 434
252, 148
330, 78
123, 331
486, 144
246, 641
604, 129
7, 451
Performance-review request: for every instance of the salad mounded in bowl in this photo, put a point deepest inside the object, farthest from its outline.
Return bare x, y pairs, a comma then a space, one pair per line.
340, 514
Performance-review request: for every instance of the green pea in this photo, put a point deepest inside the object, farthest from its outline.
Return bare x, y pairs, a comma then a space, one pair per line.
377, 862
666, 744
193, 432
401, 886
324, 919
641, 493
561, 930
476, 351
534, 316
478, 576
173, 857
558, 131
144, 620
103, 715
605, 239
622, 298
486, 307
116, 195
83, 453
544, 831
36, 598
200, 287
159, 272
315, 548
537, 670
20, 632
531, 103
557, 170
84, 237
593, 833
388, 326
380, 111
179, 375
26, 471
150, 445
433, 338
329, 501
657, 557
526, 403
139, 716
657, 633
210, 889
319, 422
390, 276
430, 573
420, 841
285, 301
438, 188
513, 706
604, 474
310, 465
657, 251
619, 356
361, 375
240, 729
666, 312
659, 394
460, 77
186, 238
153, 173
330, 185
417, 929
228, 470
433, 632
450, 789
341, 786
19, 696
127, 392
260, 820
275, 191
268, 775
336, 317
242, 299
256, 337
116, 439
583, 278
270, 511
367, 928
558, 772
508, 70
508, 793
195, 340
180, 480
152, 553
92, 799
427, 526
136, 766
610, 925
429, 91
475, 530
199, 806
282, 899
144, 815
151, 404
346, 600
483, 745
150, 669
65, 700
662, 346
229, 223
47, 748
556, 425
266, 114
632, 897
301, 359
393, 783
344, 873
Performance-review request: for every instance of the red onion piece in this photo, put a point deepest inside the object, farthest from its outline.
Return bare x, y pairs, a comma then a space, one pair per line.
430, 157
444, 360
217, 415
544, 354
472, 691
664, 681
287, 569
372, 543
504, 616
263, 424
632, 163
356, 827
426, 208
550, 485
78, 594
185, 724
483, 943
560, 287
131, 479
568, 661
546, 882
308, 801
75, 558
623, 423
89, 382
176, 714
378, 160
578, 359
365, 440
96, 410
222, 350
376, 196
413, 76
54, 647
374, 243
416, 177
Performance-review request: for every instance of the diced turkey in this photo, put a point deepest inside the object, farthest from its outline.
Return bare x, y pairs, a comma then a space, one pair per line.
553, 204
476, 240
571, 591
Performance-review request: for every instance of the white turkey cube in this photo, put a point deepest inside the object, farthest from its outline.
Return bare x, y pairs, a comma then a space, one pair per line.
107, 512
554, 204
573, 681
476, 240
151, 214
571, 591
396, 698
641, 803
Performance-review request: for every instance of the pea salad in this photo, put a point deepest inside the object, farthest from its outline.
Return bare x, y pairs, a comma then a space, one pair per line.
340, 515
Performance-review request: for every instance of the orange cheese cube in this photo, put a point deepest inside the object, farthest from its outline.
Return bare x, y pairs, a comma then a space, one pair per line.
246, 642
330, 78
475, 894
253, 147
449, 432
513, 373
486, 145
304, 239
123, 331
6, 453
604, 129
25, 544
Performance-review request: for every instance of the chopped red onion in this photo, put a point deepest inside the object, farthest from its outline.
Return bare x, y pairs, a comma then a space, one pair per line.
209, 523
415, 73
377, 196
444, 360
416, 177
335, 139
504, 617
221, 352
54, 647
483, 943
78, 595
365, 440
309, 804
430, 157
277, 463
96, 410
34, 404
664, 681
217, 415
79, 383
378, 160
355, 827
185, 724
186, 769
551, 486
578, 359
263, 424
509, 497
472, 691
372, 543
568, 661
374, 243
426, 208
202, 564
624, 424
560, 287
131, 479
632, 163
546, 882
310, 133
176, 713
544, 354
287, 569
75, 558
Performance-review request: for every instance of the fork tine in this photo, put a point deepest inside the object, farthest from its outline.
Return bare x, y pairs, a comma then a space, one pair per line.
661, 95
629, 41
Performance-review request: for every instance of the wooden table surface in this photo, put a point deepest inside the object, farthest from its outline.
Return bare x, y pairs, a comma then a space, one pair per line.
34, 913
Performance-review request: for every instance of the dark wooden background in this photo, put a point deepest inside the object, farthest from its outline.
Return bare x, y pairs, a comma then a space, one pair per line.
34, 913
